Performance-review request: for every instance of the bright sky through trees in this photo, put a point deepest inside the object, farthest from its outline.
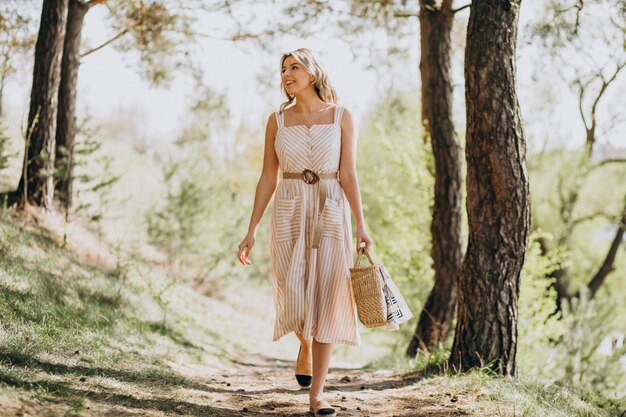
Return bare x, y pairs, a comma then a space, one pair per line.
108, 84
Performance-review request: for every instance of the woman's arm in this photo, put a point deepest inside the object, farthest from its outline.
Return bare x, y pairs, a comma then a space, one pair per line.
349, 179
264, 190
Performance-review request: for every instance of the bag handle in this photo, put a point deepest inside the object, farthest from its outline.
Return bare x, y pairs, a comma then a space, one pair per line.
361, 252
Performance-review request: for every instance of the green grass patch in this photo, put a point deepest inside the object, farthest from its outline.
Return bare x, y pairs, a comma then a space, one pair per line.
504, 396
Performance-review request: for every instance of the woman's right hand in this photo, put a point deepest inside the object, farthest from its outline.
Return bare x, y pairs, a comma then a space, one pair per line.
245, 247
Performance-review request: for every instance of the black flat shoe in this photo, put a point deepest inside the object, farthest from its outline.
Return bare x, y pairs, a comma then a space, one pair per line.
303, 380
325, 411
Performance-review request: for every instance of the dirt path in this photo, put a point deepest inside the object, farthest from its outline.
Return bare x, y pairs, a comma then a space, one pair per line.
255, 386
267, 387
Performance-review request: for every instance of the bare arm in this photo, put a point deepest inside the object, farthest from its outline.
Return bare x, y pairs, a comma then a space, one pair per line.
264, 190
348, 176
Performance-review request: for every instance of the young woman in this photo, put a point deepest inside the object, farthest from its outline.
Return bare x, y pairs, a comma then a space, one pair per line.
312, 140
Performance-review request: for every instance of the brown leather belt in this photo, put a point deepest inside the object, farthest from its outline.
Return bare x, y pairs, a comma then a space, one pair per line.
311, 177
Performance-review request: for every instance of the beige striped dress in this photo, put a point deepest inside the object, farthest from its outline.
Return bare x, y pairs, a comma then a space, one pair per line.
311, 287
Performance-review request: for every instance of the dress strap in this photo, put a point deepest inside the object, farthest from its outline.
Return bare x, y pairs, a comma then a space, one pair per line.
280, 118
338, 113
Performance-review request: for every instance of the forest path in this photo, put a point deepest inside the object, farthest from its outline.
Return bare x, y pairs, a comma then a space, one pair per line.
254, 386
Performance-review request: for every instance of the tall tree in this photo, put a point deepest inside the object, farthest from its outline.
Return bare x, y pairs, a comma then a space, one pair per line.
435, 42
36, 184
155, 31
498, 198
66, 119
160, 32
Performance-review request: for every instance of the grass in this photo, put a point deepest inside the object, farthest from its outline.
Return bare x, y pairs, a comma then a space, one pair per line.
523, 397
492, 395
61, 318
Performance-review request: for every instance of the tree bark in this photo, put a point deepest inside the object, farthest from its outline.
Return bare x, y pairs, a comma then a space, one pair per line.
66, 118
498, 198
36, 184
436, 318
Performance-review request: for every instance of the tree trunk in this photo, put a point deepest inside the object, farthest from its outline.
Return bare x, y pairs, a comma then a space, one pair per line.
36, 184
66, 118
436, 317
498, 199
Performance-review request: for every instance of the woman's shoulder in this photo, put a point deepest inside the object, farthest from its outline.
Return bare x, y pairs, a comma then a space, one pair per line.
272, 122
343, 106
345, 115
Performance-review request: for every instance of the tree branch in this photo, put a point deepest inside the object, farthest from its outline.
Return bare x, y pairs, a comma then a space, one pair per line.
92, 3
582, 219
609, 161
113, 39
605, 85
579, 8
607, 266
461, 8
406, 14
581, 96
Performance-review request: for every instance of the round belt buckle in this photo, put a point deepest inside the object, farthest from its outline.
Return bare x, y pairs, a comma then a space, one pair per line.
310, 177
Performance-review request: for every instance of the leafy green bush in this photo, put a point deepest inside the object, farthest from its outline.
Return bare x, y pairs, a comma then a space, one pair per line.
539, 324
580, 346
207, 200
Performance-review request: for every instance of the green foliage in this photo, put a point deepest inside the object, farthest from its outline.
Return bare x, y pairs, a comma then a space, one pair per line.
93, 175
539, 324
172, 226
199, 220
584, 230
4, 147
396, 188
581, 346
593, 349
161, 34
8, 165
18, 25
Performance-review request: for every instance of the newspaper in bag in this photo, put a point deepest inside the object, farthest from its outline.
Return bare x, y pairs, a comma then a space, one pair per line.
397, 309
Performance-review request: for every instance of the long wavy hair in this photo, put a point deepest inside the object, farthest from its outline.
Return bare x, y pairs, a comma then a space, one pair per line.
324, 89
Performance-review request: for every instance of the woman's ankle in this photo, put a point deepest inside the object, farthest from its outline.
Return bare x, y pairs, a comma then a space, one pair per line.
314, 399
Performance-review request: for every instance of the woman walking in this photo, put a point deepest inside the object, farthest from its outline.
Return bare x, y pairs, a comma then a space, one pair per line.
312, 140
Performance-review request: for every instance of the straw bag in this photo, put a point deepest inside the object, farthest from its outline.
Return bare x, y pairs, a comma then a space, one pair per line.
367, 286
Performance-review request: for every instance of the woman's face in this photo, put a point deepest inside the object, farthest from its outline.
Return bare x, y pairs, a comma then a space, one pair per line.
294, 76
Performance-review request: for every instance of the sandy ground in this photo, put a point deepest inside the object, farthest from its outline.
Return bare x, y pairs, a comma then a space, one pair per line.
255, 386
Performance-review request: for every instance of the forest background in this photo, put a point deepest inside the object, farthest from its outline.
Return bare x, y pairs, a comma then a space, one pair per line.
169, 145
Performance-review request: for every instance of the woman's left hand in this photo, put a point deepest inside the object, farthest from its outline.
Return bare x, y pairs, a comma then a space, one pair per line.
363, 237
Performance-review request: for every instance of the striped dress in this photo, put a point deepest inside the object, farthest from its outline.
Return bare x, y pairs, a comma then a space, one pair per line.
311, 287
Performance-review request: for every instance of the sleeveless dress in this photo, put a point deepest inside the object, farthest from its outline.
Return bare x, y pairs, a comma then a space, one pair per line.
311, 287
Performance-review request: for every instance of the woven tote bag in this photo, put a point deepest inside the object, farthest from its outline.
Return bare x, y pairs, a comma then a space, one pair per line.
367, 286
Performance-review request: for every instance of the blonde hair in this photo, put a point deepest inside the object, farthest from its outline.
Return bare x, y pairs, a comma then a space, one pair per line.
325, 91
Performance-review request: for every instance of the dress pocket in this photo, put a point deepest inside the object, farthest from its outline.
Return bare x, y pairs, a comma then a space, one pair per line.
287, 226
333, 218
